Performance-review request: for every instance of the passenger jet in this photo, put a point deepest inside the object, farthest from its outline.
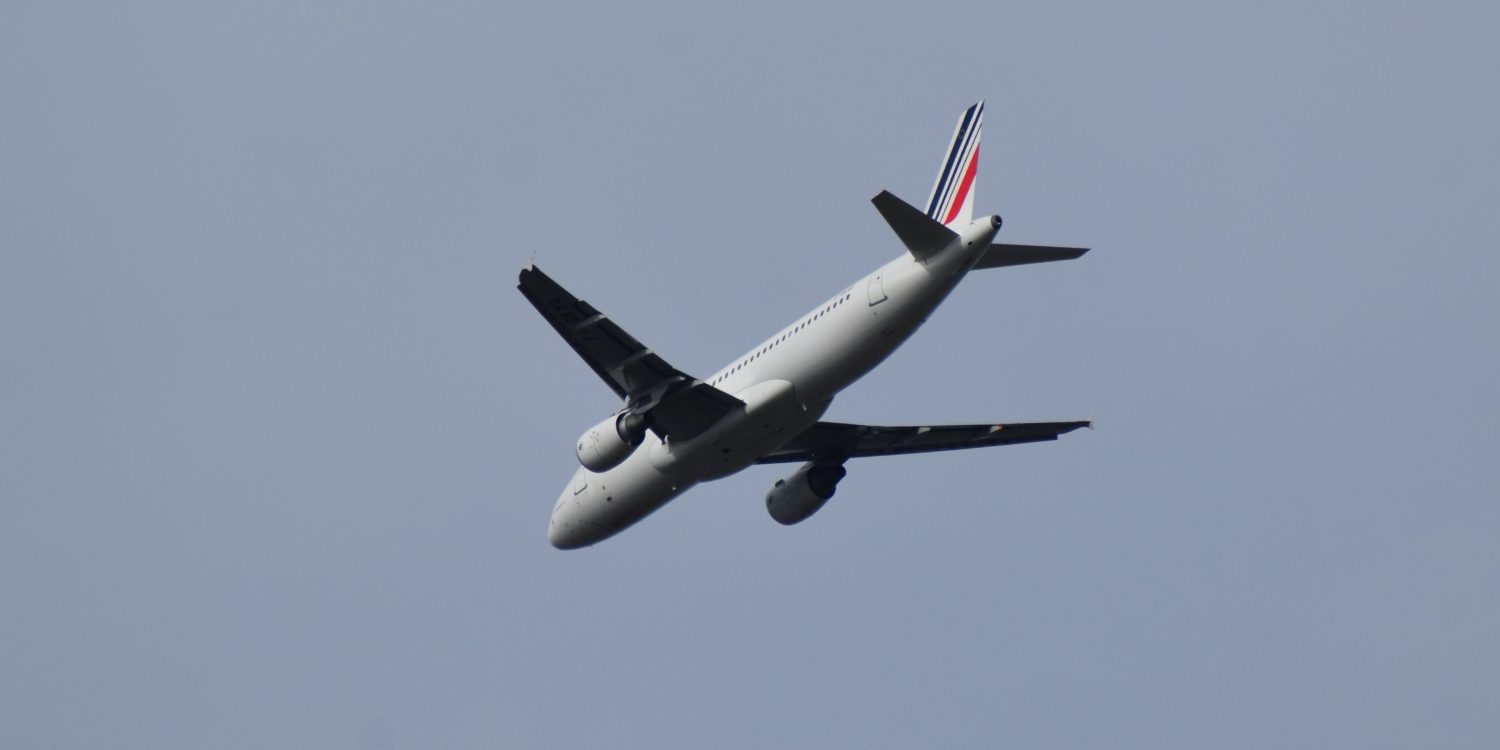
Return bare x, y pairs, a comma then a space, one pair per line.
674, 430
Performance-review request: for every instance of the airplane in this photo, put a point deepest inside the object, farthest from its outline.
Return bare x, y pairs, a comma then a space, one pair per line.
674, 430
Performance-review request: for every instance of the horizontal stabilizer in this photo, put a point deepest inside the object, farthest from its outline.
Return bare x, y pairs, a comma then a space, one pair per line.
1000, 254
921, 234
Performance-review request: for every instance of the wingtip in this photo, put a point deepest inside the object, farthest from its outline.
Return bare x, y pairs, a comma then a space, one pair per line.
527, 274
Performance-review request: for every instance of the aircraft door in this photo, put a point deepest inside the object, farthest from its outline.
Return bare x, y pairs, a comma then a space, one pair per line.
875, 290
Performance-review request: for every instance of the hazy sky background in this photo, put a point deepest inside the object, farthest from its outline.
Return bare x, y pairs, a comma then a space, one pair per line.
279, 439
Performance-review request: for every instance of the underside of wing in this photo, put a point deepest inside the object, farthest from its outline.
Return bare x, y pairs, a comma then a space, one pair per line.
684, 410
623, 363
678, 405
835, 442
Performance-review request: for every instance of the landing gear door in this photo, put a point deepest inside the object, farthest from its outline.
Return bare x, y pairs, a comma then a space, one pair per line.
876, 290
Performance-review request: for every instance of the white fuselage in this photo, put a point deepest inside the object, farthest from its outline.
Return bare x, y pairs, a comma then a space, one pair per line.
786, 383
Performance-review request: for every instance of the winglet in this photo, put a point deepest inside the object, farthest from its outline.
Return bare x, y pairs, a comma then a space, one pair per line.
922, 235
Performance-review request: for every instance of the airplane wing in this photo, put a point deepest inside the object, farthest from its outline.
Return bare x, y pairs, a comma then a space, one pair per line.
680, 406
836, 442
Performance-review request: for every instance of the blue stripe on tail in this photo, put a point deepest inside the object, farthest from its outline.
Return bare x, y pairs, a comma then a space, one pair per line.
944, 182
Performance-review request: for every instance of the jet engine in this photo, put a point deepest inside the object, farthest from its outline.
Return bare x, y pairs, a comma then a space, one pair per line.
800, 495
608, 443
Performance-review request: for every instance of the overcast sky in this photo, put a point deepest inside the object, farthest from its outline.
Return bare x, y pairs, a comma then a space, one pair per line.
279, 439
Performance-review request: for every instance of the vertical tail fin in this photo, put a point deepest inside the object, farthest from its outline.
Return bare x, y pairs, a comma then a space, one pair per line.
952, 199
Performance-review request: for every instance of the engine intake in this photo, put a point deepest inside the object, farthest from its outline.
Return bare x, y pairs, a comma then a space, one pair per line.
802, 494
605, 445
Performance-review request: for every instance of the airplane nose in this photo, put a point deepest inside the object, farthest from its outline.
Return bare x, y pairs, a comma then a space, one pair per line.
567, 530
561, 535
561, 530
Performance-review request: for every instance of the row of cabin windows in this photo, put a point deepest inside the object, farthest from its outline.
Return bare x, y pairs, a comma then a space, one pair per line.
768, 347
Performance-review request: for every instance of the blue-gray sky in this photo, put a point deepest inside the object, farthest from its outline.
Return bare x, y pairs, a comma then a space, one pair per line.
279, 439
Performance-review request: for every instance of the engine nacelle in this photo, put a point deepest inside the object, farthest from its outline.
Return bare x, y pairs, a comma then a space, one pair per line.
610, 442
800, 495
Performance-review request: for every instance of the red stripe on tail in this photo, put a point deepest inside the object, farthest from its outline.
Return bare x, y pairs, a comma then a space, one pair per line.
963, 187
